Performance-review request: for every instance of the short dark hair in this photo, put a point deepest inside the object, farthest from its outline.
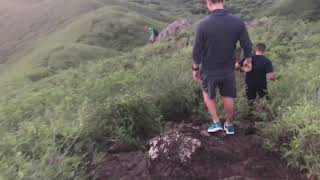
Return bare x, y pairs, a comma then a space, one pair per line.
261, 47
216, 1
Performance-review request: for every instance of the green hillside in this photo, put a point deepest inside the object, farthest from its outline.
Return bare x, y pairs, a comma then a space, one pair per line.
307, 9
41, 143
95, 83
106, 30
249, 9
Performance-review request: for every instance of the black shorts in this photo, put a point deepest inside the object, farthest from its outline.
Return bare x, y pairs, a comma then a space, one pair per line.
254, 91
226, 85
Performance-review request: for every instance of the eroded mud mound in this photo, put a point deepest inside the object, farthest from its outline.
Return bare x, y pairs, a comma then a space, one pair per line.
190, 153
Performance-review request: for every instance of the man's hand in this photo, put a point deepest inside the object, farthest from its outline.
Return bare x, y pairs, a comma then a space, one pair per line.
247, 65
196, 76
272, 76
237, 66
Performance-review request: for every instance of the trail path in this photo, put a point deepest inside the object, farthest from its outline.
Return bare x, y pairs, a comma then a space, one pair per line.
187, 152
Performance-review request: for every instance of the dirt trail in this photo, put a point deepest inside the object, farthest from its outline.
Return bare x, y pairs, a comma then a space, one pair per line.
188, 152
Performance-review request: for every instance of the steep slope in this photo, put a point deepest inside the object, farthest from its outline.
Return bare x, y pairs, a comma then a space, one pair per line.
22, 22
108, 29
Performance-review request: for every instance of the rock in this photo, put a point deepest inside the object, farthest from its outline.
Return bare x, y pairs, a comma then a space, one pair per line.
170, 155
204, 133
174, 146
173, 29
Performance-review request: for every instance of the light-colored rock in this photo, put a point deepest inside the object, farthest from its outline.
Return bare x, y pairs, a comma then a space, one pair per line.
204, 133
189, 146
175, 144
174, 29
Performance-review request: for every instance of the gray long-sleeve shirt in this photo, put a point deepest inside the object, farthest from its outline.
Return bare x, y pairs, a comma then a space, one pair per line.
216, 40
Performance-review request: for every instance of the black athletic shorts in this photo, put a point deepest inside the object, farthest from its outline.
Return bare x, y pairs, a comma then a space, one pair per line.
254, 91
226, 85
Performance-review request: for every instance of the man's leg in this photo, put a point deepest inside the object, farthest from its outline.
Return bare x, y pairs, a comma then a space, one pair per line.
229, 106
228, 92
251, 95
211, 105
263, 93
209, 98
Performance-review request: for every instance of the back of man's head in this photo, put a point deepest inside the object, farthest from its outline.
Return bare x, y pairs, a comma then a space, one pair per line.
261, 47
215, 4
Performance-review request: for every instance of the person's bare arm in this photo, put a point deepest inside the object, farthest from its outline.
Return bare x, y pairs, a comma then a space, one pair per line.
247, 65
198, 53
271, 76
237, 66
196, 72
246, 45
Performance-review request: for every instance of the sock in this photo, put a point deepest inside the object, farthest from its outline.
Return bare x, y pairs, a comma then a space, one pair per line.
227, 124
216, 121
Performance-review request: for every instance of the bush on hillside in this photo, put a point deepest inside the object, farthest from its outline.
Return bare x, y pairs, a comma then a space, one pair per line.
39, 74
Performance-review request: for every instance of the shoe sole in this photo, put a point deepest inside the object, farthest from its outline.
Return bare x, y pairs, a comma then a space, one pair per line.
228, 133
215, 130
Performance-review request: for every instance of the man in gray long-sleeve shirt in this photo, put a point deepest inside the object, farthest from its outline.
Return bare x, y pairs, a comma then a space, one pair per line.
213, 60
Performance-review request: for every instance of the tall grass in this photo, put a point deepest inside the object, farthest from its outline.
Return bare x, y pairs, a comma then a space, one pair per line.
294, 107
51, 129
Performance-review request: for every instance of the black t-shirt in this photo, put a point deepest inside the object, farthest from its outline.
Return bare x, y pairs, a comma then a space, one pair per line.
261, 66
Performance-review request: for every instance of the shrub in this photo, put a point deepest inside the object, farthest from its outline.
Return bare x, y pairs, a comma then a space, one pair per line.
39, 74
297, 136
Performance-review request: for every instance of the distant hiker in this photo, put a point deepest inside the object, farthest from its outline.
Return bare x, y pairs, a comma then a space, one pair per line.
213, 62
256, 79
153, 34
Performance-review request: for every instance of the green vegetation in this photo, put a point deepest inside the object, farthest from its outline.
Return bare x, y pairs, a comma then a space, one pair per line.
307, 9
90, 85
58, 124
249, 9
115, 27
295, 101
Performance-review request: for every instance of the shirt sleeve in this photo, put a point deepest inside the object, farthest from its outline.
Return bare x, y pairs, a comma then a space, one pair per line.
198, 48
269, 67
245, 41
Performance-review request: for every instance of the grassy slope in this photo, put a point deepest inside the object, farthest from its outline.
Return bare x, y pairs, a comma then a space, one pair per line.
51, 128
295, 103
249, 9
44, 121
307, 9
23, 22
101, 33
76, 112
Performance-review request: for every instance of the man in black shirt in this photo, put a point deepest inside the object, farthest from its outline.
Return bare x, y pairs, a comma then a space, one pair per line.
213, 60
256, 79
